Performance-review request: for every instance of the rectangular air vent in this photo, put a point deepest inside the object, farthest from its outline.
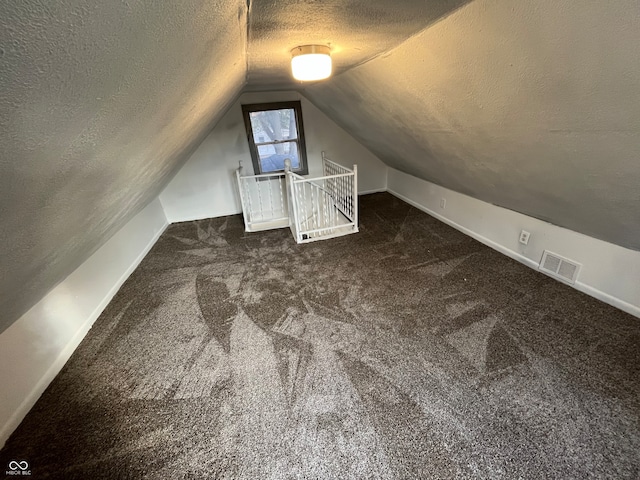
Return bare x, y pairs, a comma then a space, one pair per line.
559, 267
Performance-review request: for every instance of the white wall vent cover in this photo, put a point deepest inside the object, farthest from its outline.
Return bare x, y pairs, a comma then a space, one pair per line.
559, 267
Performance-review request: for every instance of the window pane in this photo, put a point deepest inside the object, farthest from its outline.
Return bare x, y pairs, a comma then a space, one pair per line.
274, 136
272, 157
271, 125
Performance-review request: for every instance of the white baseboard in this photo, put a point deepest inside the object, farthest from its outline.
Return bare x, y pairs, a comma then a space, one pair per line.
498, 228
226, 213
607, 298
195, 218
488, 242
34, 349
375, 190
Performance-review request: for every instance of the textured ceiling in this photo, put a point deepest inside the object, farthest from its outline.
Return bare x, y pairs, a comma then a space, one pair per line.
355, 30
99, 103
533, 106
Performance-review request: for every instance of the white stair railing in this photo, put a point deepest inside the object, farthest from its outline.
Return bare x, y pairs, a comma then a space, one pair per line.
323, 207
314, 208
264, 200
342, 184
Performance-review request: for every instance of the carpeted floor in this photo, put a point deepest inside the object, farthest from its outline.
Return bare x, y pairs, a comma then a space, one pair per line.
408, 350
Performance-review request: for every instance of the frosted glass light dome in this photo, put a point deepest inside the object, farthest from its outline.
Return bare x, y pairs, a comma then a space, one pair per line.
311, 62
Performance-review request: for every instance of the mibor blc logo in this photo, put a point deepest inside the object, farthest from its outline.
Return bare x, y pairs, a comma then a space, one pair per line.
18, 467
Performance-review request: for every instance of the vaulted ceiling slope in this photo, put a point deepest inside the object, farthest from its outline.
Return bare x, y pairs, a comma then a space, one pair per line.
533, 106
99, 104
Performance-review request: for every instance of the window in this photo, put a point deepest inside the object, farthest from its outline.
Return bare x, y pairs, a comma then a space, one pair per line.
275, 133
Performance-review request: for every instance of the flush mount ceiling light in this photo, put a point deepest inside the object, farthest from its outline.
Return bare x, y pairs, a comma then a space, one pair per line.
311, 62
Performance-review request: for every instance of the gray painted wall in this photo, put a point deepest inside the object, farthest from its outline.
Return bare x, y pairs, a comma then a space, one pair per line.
100, 102
533, 106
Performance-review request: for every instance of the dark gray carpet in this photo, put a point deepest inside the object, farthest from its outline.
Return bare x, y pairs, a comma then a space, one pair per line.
408, 350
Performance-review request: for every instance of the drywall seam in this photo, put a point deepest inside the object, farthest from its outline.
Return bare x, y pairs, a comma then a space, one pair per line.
591, 290
11, 422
